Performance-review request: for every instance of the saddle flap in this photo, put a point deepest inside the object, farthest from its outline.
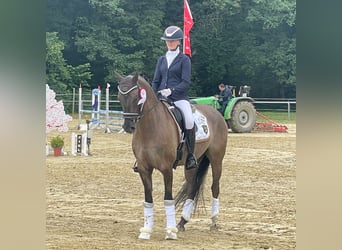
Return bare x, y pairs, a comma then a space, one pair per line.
178, 115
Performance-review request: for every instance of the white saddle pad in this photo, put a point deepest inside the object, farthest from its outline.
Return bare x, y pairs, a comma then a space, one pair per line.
202, 126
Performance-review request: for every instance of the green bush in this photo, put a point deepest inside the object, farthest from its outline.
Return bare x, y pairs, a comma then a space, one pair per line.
57, 142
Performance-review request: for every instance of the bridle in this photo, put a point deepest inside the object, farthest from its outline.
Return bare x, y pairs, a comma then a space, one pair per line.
133, 116
136, 116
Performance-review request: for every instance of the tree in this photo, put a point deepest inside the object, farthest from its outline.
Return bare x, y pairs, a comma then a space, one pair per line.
274, 25
235, 42
250, 42
61, 76
120, 36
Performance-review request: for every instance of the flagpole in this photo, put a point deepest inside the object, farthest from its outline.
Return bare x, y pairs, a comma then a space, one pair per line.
183, 25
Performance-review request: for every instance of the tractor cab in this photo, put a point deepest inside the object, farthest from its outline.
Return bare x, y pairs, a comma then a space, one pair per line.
240, 113
244, 90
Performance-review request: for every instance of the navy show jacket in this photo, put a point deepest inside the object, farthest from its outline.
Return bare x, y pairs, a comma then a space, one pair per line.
177, 77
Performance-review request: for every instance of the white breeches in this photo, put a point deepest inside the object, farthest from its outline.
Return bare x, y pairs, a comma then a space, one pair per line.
186, 109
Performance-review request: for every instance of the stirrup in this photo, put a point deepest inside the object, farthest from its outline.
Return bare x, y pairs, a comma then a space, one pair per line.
190, 162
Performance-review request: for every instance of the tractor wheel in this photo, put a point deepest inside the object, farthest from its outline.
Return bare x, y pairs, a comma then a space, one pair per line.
243, 117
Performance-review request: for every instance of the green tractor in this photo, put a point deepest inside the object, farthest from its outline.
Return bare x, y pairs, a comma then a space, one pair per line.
240, 113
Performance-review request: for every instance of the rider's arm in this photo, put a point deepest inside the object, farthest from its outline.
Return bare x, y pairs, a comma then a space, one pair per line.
157, 78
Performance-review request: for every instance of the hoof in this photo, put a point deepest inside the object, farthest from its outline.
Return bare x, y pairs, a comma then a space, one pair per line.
181, 224
214, 227
171, 234
180, 227
144, 236
145, 233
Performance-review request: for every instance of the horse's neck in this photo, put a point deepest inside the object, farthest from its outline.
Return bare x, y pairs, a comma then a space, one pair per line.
154, 115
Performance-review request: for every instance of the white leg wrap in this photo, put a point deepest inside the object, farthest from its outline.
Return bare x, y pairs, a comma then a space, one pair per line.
214, 207
170, 211
145, 232
188, 209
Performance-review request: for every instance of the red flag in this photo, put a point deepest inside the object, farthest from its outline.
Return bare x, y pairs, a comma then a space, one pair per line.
188, 23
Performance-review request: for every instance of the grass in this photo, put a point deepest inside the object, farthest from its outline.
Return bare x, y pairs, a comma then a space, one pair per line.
277, 116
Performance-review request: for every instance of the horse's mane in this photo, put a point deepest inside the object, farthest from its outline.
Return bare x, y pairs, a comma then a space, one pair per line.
145, 84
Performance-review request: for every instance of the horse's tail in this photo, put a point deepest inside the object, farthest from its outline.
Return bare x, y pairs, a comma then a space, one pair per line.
203, 166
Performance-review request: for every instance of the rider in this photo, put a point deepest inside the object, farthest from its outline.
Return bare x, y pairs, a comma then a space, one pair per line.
172, 79
224, 97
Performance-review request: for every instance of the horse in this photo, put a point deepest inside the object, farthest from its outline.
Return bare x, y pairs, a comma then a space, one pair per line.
156, 137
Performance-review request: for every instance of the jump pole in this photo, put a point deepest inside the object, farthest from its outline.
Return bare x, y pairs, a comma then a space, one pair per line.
107, 108
79, 105
96, 120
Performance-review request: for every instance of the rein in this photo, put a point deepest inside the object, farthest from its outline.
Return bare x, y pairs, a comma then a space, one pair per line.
148, 111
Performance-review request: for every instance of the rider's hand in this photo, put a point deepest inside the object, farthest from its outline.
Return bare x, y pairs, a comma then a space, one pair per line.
165, 92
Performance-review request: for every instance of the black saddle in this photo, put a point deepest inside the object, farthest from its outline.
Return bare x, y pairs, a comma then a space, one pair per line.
176, 112
179, 117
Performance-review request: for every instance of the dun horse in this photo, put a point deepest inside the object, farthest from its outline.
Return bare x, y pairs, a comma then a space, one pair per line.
156, 137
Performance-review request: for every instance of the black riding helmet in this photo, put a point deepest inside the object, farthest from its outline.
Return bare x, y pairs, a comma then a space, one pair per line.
172, 33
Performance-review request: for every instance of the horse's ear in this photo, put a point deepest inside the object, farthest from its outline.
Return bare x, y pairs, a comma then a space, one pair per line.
135, 77
118, 76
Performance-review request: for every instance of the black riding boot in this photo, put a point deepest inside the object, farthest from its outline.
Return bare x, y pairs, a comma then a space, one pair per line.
191, 161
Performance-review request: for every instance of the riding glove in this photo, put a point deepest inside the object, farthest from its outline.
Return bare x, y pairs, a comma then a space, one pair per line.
165, 92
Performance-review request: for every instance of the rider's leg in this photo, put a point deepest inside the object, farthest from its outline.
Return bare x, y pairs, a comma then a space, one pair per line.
185, 107
191, 161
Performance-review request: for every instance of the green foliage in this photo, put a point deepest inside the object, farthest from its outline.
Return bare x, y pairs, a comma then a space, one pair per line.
61, 76
235, 42
57, 142
273, 14
57, 73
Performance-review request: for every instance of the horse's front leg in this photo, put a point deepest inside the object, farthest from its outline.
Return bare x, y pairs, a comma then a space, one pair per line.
169, 204
146, 230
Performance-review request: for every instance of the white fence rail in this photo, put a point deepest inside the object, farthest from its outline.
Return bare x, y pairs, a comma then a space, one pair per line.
287, 102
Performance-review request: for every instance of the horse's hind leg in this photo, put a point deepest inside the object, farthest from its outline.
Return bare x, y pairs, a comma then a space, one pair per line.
189, 205
215, 189
146, 230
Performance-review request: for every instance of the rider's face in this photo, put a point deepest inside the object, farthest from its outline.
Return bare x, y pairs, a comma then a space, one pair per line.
172, 44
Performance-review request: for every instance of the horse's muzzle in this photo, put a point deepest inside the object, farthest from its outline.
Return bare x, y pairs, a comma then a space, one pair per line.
129, 126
